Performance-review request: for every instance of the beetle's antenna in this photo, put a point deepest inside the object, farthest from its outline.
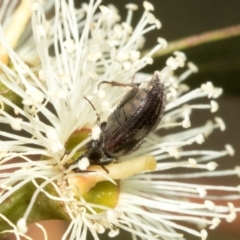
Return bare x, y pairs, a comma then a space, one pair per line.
132, 82
98, 116
117, 84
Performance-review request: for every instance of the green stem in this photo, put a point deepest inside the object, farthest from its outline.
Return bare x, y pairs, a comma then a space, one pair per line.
199, 39
44, 208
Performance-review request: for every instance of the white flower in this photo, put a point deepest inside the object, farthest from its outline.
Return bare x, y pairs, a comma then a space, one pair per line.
91, 45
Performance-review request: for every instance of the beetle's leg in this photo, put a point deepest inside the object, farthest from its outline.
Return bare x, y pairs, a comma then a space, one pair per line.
133, 78
131, 94
106, 170
77, 170
117, 84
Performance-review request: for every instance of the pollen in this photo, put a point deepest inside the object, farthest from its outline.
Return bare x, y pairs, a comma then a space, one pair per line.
16, 124
83, 164
96, 131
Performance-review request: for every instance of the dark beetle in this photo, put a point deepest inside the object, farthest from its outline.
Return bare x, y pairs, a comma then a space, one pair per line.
138, 114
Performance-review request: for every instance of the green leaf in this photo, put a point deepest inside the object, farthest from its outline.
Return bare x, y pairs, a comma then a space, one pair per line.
44, 208
11, 96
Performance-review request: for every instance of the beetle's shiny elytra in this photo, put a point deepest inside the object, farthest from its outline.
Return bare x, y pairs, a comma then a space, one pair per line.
137, 115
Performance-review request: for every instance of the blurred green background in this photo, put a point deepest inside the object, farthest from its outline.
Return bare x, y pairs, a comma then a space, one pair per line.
218, 61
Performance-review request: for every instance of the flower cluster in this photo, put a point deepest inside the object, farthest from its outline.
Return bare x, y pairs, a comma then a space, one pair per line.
59, 62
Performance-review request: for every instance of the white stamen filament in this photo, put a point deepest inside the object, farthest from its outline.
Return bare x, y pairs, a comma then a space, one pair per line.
91, 45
